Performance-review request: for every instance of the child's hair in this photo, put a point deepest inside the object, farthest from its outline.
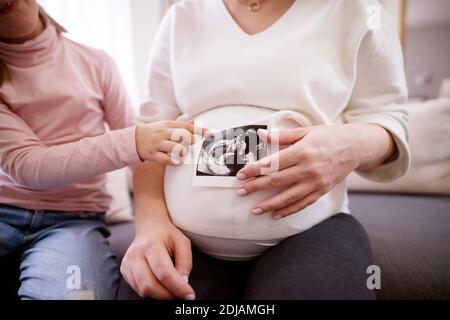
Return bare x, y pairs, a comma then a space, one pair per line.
5, 75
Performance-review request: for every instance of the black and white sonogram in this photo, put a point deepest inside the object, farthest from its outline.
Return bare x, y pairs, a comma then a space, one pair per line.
224, 153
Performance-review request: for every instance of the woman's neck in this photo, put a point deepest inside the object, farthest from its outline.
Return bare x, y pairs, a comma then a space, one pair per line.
37, 31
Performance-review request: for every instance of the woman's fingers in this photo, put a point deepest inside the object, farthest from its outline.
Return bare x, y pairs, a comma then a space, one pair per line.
283, 137
298, 206
183, 256
270, 165
145, 283
284, 199
162, 266
190, 127
280, 179
279, 160
128, 275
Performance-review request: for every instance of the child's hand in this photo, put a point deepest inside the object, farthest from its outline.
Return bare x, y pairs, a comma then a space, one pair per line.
165, 142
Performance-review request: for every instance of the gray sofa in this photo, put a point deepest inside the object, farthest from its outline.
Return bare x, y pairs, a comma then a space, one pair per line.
410, 237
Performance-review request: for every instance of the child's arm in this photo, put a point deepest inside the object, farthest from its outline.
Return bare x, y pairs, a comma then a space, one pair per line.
32, 164
117, 107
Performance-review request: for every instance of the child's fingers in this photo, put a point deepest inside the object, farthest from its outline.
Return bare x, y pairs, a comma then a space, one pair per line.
181, 136
189, 126
173, 148
165, 159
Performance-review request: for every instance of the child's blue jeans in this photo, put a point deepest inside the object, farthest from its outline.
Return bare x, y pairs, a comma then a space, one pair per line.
64, 255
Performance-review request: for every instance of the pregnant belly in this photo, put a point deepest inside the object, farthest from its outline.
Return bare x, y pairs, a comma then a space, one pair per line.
214, 218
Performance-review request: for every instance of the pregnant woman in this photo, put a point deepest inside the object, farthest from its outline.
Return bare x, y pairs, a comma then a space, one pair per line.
332, 87
55, 97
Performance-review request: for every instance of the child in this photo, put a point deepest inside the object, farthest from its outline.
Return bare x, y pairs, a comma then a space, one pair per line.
55, 97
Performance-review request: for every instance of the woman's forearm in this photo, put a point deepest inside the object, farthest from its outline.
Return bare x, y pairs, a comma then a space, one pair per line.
149, 198
374, 145
318, 158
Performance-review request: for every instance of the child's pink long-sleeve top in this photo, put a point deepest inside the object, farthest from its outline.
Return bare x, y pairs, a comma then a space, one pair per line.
54, 148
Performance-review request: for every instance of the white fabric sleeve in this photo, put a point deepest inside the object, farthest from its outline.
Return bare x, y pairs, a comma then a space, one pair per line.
160, 103
378, 94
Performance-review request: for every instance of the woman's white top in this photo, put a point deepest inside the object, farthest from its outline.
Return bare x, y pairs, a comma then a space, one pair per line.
319, 64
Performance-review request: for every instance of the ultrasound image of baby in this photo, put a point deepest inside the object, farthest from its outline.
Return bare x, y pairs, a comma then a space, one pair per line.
226, 152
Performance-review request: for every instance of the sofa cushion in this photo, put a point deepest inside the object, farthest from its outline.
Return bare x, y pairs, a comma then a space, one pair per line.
120, 209
410, 238
122, 234
429, 126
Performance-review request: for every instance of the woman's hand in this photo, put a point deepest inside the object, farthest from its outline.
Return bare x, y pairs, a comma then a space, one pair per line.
319, 158
158, 262
165, 142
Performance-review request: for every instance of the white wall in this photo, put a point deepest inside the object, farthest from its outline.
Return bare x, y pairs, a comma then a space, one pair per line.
394, 9
427, 13
124, 29
427, 46
146, 16
427, 52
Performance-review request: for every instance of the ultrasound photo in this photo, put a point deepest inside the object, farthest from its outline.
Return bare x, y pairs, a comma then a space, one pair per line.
226, 152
